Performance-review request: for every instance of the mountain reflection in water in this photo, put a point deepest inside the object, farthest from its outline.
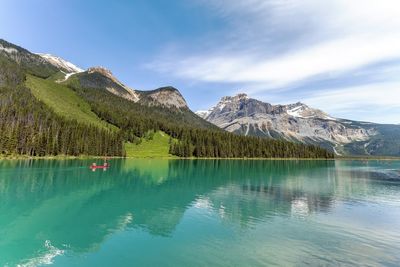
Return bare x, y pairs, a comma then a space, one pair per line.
78, 210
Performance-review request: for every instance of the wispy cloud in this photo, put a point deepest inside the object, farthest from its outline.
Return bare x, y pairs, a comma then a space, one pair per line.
348, 102
276, 45
324, 58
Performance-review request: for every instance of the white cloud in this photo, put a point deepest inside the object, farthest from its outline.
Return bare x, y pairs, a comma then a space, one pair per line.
325, 58
361, 102
352, 34
278, 45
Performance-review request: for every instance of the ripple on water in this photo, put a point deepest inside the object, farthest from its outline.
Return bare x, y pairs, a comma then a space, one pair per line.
45, 257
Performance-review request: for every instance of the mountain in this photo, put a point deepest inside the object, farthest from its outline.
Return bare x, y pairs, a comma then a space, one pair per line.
46, 66
101, 78
168, 96
61, 64
29, 62
51, 107
301, 123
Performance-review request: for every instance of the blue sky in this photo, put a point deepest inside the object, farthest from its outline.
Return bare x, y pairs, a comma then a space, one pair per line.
340, 56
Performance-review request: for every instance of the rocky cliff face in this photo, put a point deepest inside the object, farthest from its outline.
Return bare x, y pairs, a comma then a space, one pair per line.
168, 97
102, 78
295, 122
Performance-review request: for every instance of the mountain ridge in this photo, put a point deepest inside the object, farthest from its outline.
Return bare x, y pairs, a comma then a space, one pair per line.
61, 63
300, 123
94, 77
36, 120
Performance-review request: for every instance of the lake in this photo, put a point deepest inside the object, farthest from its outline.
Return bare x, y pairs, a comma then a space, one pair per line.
200, 213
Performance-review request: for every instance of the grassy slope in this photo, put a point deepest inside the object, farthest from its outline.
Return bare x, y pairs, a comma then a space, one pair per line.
56, 77
64, 101
158, 147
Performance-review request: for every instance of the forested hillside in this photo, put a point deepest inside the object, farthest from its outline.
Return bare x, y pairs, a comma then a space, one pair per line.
40, 117
196, 138
29, 127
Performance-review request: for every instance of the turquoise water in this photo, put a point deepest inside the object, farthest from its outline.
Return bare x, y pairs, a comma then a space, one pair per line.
200, 213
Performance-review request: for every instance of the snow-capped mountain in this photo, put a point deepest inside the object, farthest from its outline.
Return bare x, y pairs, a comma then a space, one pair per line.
61, 64
300, 110
45, 65
301, 123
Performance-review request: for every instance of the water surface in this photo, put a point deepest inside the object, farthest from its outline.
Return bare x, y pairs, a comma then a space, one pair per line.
200, 213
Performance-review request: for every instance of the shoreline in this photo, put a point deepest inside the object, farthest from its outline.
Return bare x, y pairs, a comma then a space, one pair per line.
66, 157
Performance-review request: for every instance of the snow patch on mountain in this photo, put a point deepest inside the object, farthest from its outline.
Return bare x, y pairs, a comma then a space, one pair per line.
293, 122
301, 110
60, 63
203, 113
69, 75
8, 50
295, 112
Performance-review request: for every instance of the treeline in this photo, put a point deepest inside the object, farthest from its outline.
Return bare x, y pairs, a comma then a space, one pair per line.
134, 119
196, 138
29, 127
205, 143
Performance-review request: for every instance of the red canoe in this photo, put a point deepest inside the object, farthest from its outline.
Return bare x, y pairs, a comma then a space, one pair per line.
100, 167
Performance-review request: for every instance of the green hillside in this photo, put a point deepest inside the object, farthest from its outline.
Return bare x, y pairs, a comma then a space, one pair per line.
64, 101
156, 146
31, 127
40, 117
195, 138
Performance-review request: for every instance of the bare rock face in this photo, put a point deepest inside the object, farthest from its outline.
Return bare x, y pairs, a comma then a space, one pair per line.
105, 72
102, 78
168, 97
295, 122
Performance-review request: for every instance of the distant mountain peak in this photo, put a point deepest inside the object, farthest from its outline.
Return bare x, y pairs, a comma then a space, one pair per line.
167, 96
168, 87
102, 78
241, 96
301, 110
296, 122
102, 70
60, 63
106, 73
238, 97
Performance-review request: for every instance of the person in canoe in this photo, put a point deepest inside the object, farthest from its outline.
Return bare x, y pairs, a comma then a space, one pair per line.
104, 166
